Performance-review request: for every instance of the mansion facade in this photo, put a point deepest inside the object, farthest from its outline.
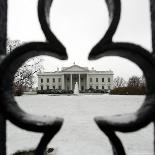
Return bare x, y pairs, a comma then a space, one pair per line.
66, 78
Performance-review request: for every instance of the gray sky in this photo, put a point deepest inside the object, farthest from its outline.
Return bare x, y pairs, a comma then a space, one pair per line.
79, 24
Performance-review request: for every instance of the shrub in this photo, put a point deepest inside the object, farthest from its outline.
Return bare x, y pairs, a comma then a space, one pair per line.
67, 91
40, 91
54, 91
18, 92
128, 91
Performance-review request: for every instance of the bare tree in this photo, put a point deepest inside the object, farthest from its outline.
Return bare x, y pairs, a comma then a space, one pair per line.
142, 81
134, 81
119, 82
12, 44
25, 76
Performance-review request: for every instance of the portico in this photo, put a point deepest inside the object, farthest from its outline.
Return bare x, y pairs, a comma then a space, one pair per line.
72, 78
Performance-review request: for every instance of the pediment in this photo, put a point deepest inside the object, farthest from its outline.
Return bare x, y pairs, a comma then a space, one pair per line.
75, 68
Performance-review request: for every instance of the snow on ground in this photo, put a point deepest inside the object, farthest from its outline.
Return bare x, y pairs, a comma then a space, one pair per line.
79, 134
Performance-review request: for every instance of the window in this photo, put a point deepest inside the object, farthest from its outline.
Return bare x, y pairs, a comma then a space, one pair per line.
91, 80
47, 80
102, 87
81, 79
53, 80
96, 87
59, 87
108, 87
91, 87
41, 87
47, 87
108, 79
53, 87
102, 79
67, 79
59, 79
96, 79
41, 80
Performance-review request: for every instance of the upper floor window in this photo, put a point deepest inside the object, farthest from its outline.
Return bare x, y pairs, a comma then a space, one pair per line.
96, 87
47, 80
96, 79
41, 87
102, 87
108, 79
41, 80
59, 79
53, 80
108, 87
47, 87
91, 80
53, 87
102, 79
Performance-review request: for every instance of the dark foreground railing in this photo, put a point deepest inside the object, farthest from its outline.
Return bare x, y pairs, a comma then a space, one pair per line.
9, 64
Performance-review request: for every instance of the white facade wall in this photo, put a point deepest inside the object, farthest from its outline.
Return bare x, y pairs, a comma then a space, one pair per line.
106, 84
51, 83
67, 83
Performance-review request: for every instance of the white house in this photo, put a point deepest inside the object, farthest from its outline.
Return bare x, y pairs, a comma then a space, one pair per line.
66, 78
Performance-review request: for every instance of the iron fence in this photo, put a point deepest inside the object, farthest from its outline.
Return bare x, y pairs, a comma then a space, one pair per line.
49, 126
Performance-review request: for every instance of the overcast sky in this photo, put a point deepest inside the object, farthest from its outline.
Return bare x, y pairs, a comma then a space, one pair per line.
79, 24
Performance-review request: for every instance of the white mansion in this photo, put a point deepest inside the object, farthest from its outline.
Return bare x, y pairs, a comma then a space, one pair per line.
68, 76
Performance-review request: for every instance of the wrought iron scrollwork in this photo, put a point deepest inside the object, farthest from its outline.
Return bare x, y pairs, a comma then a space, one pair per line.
145, 60
49, 126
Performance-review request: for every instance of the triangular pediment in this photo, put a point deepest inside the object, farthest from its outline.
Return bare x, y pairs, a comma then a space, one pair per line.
75, 68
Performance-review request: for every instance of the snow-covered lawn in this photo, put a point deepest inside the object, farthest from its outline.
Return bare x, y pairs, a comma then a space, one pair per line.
79, 134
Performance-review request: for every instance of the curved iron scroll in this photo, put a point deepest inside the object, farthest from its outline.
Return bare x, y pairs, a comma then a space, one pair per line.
9, 66
141, 57
53, 47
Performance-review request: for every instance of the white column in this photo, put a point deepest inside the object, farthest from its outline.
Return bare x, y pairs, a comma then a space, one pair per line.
63, 81
79, 83
71, 81
87, 82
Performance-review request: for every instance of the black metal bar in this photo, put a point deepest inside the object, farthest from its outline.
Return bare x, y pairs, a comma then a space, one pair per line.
3, 26
3, 37
152, 9
2, 135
